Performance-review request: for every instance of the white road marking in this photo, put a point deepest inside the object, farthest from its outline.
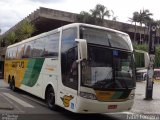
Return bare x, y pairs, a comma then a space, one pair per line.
128, 112
7, 99
4, 88
21, 102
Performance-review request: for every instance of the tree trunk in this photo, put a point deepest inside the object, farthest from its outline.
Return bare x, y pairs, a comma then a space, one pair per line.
135, 32
144, 38
140, 35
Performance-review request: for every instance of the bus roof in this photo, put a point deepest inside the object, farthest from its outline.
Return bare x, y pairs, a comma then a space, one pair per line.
64, 27
93, 26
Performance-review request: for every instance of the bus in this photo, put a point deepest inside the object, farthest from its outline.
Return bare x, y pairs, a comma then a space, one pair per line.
80, 67
142, 61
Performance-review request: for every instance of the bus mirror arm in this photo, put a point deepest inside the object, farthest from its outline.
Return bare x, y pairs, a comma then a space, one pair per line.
78, 61
82, 49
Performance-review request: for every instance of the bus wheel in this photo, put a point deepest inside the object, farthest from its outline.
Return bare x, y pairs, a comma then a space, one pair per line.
50, 99
12, 84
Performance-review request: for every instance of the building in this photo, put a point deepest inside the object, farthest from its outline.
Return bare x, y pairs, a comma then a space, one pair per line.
46, 19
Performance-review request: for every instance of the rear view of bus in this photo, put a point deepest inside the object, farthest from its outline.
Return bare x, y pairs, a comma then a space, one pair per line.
107, 75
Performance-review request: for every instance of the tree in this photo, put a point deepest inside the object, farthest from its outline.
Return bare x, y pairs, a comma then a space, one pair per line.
135, 19
11, 38
99, 12
158, 26
144, 17
25, 30
85, 17
94, 16
114, 18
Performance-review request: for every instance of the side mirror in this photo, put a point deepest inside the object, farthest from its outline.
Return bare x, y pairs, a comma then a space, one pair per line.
82, 49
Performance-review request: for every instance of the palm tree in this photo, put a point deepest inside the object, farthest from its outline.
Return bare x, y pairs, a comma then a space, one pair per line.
103, 11
147, 23
135, 19
84, 17
94, 16
158, 29
144, 17
99, 12
114, 18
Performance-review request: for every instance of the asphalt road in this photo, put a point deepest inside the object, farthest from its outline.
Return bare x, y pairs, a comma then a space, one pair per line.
25, 106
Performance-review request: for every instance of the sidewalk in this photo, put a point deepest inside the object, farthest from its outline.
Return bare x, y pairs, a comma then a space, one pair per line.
3, 84
4, 104
142, 106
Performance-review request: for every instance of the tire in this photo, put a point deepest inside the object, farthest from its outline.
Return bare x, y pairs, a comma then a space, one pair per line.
50, 99
12, 85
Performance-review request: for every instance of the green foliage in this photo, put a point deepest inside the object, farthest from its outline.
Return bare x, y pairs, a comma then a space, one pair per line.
11, 38
100, 11
141, 47
85, 17
157, 58
24, 31
95, 16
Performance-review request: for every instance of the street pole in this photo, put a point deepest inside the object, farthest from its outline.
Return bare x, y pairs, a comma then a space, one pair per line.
150, 71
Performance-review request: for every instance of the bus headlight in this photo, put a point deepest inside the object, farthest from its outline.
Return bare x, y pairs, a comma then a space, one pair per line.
88, 95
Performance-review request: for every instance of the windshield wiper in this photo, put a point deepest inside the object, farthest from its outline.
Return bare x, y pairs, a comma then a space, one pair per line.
122, 81
106, 83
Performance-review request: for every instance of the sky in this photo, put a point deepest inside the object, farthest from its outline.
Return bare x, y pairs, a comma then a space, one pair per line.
12, 11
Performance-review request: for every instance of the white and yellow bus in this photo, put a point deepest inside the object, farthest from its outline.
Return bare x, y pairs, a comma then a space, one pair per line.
82, 68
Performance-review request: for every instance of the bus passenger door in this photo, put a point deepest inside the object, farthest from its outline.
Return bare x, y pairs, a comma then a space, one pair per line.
68, 86
68, 91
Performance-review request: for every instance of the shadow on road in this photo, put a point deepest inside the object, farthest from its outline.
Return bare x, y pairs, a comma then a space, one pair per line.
74, 116
61, 114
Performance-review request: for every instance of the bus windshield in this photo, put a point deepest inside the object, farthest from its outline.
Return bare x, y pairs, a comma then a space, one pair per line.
106, 38
107, 67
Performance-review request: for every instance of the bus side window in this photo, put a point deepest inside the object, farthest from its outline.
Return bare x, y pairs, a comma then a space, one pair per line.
68, 58
9, 53
52, 45
20, 51
38, 48
14, 53
27, 51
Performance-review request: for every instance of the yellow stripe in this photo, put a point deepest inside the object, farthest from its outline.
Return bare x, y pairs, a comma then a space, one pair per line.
104, 95
15, 68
